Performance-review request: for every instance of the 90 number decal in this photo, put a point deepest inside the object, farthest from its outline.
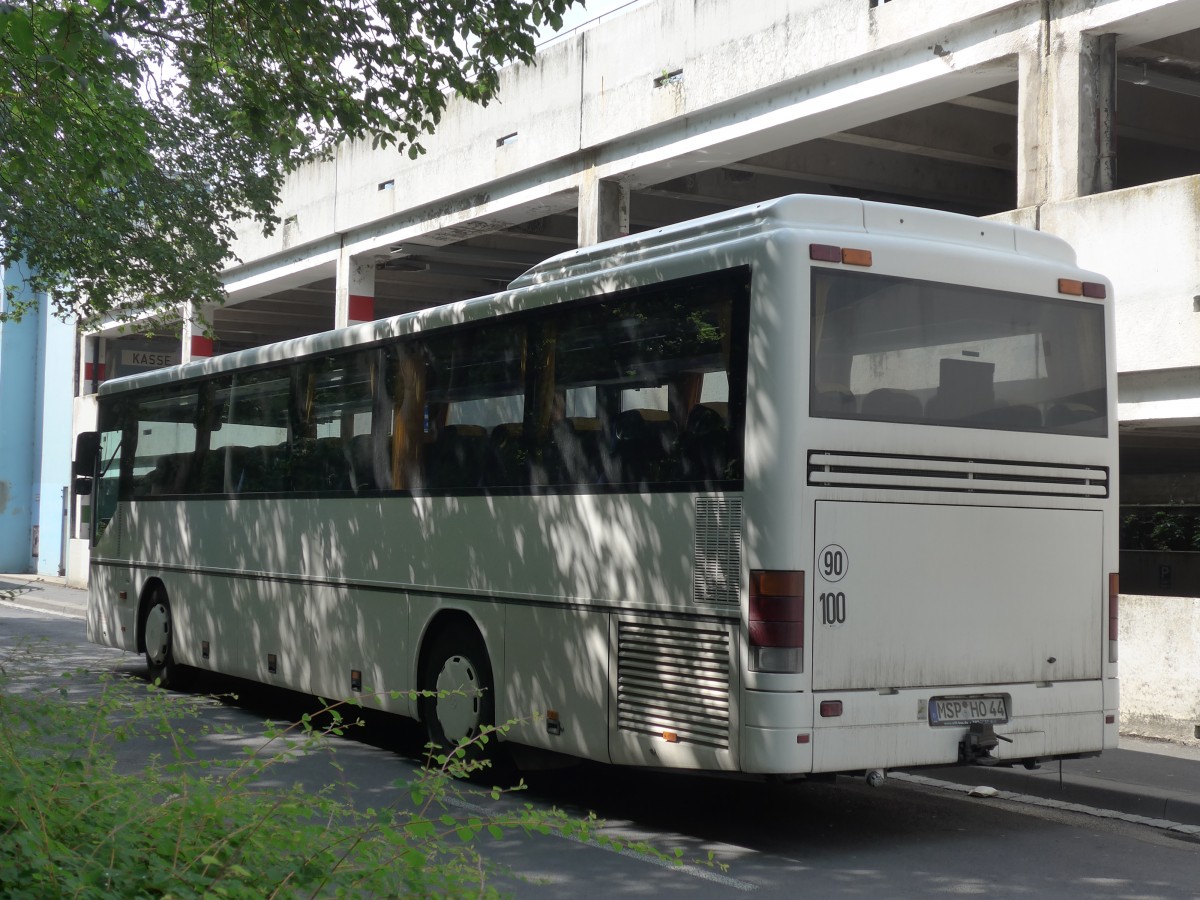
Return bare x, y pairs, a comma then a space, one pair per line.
833, 608
833, 563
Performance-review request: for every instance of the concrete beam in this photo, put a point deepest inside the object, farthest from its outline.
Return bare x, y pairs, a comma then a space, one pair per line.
729, 187
1158, 117
962, 134
901, 174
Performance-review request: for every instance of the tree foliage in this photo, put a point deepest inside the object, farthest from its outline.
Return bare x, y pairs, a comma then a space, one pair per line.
135, 133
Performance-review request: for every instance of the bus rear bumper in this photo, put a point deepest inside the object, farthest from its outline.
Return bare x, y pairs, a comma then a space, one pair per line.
884, 730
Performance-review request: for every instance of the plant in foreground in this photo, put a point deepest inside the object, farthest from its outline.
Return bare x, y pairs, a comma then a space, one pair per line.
109, 789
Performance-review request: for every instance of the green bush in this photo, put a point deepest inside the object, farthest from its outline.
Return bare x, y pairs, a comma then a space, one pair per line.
76, 822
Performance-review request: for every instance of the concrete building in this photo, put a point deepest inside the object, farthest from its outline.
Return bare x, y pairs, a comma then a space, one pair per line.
35, 440
1078, 117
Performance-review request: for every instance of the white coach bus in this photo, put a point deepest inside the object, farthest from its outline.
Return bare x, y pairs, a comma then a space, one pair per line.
812, 486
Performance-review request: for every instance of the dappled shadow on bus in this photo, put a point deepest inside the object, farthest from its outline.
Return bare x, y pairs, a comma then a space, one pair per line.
550, 480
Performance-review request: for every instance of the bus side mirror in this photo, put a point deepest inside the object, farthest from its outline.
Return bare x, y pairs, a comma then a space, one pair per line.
83, 487
87, 449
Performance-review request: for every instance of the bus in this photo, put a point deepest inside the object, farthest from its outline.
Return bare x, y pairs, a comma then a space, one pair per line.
812, 486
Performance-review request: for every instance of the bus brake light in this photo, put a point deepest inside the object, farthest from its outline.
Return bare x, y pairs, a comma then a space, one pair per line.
776, 620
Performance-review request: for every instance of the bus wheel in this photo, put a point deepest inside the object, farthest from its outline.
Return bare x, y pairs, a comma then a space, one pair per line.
159, 635
459, 675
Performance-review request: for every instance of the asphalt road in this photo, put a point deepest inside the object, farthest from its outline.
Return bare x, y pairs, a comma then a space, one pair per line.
819, 840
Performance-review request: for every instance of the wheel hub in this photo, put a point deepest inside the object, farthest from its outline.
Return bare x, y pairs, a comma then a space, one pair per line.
458, 711
158, 634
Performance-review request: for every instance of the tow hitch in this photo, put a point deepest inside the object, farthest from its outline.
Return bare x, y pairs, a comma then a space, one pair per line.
977, 745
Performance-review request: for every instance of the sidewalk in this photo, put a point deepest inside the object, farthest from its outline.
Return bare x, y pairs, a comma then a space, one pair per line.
44, 593
1143, 778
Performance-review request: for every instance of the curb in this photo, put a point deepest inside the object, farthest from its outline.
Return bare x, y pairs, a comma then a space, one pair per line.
1186, 830
52, 607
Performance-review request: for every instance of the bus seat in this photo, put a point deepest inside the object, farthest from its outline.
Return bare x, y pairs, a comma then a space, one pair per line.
456, 457
891, 404
337, 469
359, 456
164, 477
645, 443
577, 442
239, 476
704, 445
834, 401
256, 470
212, 473
937, 409
270, 468
1019, 416
319, 465
1061, 414
504, 463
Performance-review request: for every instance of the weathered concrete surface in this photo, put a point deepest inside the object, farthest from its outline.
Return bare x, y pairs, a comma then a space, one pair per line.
1160, 666
1144, 239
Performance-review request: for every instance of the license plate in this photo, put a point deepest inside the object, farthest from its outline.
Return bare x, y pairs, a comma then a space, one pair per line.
984, 710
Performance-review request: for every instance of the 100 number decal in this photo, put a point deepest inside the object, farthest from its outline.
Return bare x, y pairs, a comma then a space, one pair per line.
833, 608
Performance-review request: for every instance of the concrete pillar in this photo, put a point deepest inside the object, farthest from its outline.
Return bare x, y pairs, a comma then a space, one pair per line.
93, 371
354, 295
603, 210
195, 343
1065, 117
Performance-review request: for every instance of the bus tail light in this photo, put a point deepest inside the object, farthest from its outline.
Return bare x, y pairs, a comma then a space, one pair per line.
831, 709
776, 621
1114, 605
850, 256
1077, 288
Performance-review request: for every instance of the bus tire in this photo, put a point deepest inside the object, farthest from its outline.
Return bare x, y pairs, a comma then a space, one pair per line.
158, 638
461, 701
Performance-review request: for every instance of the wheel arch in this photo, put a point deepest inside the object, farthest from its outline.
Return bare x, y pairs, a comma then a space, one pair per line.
445, 620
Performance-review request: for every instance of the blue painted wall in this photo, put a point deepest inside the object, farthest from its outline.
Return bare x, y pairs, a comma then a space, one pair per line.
37, 365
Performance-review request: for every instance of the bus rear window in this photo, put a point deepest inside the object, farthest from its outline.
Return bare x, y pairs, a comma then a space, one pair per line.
890, 349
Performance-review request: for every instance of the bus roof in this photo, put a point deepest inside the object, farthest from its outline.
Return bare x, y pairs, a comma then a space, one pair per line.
805, 211
796, 211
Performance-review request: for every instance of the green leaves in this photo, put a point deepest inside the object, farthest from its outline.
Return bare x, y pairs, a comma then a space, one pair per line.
74, 823
133, 135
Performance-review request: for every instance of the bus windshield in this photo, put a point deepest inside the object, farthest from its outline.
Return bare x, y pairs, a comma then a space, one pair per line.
890, 349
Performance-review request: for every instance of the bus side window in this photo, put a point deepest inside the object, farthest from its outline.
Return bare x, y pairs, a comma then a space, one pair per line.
475, 392
107, 490
333, 424
256, 433
167, 441
647, 362
407, 374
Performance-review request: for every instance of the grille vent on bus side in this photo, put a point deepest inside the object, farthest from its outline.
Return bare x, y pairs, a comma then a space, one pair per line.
976, 476
717, 559
673, 678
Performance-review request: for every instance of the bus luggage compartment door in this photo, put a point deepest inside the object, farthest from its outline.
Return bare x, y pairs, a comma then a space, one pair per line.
913, 595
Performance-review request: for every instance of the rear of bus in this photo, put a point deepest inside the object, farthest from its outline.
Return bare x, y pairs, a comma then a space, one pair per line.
930, 498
